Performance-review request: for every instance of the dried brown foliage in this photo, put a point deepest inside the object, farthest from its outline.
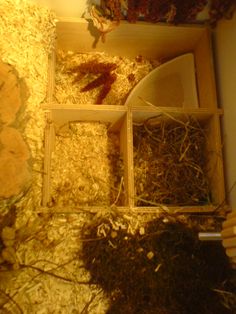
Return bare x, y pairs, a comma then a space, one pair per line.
221, 9
102, 76
113, 8
110, 79
171, 11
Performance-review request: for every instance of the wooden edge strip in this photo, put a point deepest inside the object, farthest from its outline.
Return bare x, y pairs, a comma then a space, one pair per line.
232, 214
48, 143
229, 243
229, 232
231, 252
229, 222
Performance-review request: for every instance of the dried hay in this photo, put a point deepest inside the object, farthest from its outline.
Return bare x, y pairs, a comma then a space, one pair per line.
71, 80
170, 162
159, 267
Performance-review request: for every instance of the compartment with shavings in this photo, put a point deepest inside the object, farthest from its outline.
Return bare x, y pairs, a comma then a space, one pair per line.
97, 78
85, 159
176, 160
151, 41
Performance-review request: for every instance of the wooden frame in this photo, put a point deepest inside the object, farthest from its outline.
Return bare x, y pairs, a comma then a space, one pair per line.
152, 41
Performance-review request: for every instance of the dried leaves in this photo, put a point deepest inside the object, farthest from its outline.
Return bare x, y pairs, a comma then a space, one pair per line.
170, 11
170, 163
221, 9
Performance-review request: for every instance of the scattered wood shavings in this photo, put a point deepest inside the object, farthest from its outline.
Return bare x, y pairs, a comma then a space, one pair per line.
27, 34
128, 74
86, 168
47, 275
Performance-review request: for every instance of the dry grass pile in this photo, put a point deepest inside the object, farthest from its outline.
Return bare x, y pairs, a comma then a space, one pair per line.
170, 162
159, 268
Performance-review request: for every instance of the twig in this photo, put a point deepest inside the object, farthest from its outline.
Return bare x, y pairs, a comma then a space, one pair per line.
167, 114
87, 305
223, 292
12, 300
119, 192
55, 275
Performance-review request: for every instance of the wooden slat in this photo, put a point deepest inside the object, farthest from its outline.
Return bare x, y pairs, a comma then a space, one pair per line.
48, 147
231, 252
232, 214
141, 113
129, 40
215, 160
177, 110
229, 222
127, 152
51, 78
108, 114
205, 72
229, 232
135, 210
229, 243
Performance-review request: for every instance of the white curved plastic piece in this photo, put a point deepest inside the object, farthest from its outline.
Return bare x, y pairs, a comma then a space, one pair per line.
172, 84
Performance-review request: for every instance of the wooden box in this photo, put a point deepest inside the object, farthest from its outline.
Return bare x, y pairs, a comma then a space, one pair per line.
155, 42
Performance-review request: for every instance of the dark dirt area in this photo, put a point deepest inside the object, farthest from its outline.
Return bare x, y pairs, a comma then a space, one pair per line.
164, 269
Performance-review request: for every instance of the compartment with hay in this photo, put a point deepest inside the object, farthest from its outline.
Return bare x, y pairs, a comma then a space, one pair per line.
177, 159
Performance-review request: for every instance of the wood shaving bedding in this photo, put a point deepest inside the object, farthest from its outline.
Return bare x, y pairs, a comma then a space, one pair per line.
85, 165
27, 34
128, 74
46, 251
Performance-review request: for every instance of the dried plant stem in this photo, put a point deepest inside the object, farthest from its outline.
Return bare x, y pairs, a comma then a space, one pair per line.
119, 191
86, 307
55, 275
10, 298
165, 113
